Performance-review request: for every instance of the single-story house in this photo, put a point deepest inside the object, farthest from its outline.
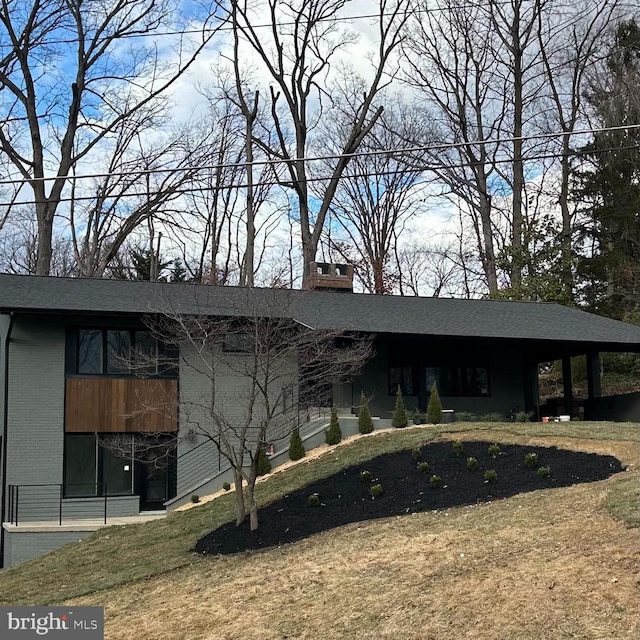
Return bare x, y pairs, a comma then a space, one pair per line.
62, 385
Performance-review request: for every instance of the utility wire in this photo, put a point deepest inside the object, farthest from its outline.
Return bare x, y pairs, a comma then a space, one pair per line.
364, 174
270, 25
355, 154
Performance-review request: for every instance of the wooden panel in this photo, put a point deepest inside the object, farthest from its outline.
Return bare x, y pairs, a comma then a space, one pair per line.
120, 405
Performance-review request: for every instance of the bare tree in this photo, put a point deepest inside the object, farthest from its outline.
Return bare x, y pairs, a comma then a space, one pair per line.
568, 51
251, 366
451, 60
377, 196
298, 58
141, 188
67, 90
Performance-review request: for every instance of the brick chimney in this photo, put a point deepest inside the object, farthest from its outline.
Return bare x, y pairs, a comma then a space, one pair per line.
329, 277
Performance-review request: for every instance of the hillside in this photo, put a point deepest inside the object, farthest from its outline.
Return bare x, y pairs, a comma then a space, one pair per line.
555, 561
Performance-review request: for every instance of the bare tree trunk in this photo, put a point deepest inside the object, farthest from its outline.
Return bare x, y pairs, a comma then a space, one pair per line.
96, 93
240, 508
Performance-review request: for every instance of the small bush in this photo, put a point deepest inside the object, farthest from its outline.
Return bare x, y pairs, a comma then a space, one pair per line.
366, 477
333, 435
544, 472
365, 422
522, 416
492, 417
417, 453
531, 460
457, 447
296, 447
195, 498
490, 475
472, 463
494, 450
226, 486
434, 408
465, 416
423, 467
313, 500
264, 464
418, 417
375, 490
400, 418
435, 481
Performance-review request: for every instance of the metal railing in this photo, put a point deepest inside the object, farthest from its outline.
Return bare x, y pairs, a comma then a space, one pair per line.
48, 503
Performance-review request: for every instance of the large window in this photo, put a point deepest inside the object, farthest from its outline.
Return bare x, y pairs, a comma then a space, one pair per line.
118, 464
121, 352
91, 469
458, 380
403, 377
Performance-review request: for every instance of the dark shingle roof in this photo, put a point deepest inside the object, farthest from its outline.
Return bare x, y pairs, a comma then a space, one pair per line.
321, 309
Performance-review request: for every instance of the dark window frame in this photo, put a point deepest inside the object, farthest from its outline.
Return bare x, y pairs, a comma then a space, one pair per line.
238, 343
458, 376
404, 388
99, 467
166, 358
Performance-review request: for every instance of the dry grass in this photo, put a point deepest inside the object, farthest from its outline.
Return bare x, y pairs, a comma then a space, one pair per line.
551, 563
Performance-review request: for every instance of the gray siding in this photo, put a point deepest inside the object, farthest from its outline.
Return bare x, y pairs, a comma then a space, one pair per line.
36, 402
4, 327
198, 457
21, 546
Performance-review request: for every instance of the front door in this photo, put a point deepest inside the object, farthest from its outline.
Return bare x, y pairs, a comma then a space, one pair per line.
153, 486
156, 478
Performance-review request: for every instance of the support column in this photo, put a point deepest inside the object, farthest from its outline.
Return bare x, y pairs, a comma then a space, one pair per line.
594, 381
567, 385
532, 390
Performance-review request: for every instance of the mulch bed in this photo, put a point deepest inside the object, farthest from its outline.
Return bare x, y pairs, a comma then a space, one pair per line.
345, 499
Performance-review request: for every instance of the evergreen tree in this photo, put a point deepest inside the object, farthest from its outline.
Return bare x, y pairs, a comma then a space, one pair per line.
333, 435
608, 183
296, 447
400, 418
434, 408
365, 423
264, 464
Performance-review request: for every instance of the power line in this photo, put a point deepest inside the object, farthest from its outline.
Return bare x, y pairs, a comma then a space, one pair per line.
377, 152
363, 174
270, 25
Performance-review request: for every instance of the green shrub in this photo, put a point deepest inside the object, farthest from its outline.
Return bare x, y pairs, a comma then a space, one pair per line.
365, 422
490, 475
264, 464
400, 418
424, 467
457, 447
418, 417
491, 417
435, 481
465, 416
296, 447
333, 435
434, 408
195, 498
472, 463
313, 500
226, 486
522, 416
544, 472
366, 477
375, 490
494, 450
417, 453
531, 460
